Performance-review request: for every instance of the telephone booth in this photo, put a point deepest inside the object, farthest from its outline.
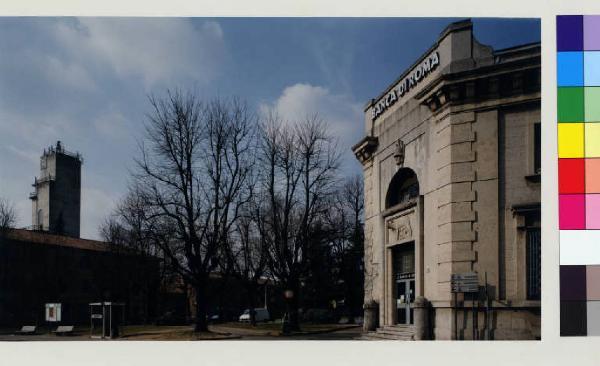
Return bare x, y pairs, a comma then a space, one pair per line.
105, 319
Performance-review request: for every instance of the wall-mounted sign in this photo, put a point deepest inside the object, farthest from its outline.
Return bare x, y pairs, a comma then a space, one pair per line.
464, 282
53, 312
404, 276
412, 79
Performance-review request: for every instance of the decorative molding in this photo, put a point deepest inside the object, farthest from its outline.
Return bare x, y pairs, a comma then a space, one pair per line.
399, 153
398, 229
365, 149
515, 79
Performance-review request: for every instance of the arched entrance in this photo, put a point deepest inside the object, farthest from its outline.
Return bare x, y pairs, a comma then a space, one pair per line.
403, 240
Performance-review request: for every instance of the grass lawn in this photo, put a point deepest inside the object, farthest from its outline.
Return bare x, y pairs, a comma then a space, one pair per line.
231, 330
128, 330
169, 333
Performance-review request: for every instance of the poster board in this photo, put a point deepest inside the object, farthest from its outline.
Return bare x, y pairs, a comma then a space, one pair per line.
53, 312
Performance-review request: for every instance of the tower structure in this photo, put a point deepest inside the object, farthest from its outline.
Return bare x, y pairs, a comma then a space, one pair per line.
56, 201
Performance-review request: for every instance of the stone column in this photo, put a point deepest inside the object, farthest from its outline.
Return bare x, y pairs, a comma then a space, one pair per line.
421, 315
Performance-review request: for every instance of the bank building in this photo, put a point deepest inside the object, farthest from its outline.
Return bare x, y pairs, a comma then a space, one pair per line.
451, 162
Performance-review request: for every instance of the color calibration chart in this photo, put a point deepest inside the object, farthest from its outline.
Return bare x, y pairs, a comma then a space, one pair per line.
578, 77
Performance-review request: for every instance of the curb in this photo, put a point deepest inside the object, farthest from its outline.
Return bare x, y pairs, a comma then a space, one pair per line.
323, 331
247, 332
250, 332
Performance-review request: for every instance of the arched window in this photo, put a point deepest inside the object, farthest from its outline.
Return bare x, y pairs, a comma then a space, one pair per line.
404, 187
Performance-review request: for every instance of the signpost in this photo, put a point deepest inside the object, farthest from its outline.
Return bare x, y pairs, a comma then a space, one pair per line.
465, 283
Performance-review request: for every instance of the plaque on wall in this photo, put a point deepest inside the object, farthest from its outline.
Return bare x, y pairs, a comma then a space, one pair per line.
398, 229
464, 282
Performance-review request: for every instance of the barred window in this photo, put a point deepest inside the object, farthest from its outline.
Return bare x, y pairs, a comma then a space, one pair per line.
537, 148
534, 264
403, 188
404, 259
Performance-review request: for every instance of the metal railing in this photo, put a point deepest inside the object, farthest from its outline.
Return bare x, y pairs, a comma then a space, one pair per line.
44, 179
34, 228
64, 151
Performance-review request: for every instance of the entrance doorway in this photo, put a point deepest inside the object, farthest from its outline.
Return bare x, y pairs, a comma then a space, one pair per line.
405, 290
404, 279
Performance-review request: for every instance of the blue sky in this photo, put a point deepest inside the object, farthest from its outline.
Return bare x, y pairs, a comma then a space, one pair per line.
85, 81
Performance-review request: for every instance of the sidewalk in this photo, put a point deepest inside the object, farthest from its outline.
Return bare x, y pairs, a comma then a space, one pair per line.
274, 329
128, 333
226, 331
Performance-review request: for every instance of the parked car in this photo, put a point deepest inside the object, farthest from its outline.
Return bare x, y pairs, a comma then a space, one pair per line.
261, 315
213, 318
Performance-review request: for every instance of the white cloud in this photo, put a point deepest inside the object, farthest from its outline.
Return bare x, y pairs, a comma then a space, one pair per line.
111, 124
34, 129
157, 50
298, 101
71, 75
340, 111
29, 156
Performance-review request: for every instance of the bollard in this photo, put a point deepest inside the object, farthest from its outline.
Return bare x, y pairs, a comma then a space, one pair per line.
371, 317
421, 318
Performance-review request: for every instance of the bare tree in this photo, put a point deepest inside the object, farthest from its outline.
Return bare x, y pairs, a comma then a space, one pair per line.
299, 165
113, 231
129, 227
8, 215
349, 240
130, 232
354, 201
194, 165
248, 253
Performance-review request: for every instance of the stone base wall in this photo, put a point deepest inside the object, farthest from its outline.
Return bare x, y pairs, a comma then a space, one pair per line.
504, 323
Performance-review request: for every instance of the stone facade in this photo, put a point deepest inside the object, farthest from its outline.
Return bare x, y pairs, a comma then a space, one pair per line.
452, 176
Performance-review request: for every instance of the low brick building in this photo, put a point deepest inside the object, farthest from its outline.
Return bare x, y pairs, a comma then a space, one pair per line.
38, 267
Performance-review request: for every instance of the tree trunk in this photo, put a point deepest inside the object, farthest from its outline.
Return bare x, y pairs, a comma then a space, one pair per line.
252, 303
201, 323
294, 316
293, 305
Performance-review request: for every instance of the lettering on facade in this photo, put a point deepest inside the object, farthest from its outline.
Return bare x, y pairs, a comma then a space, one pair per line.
398, 229
410, 81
